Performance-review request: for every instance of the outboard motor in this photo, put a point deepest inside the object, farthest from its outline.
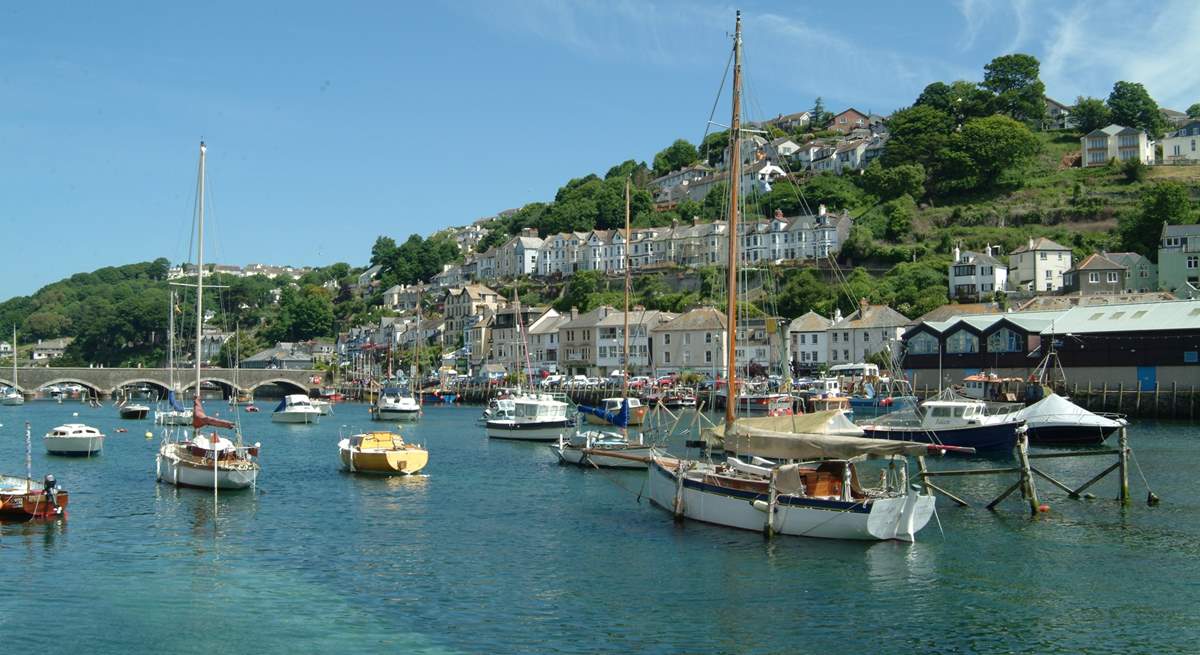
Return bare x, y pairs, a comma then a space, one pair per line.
50, 485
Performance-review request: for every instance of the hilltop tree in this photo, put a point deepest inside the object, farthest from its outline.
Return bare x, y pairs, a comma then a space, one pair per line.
961, 100
1019, 91
918, 135
819, 117
995, 144
1163, 202
712, 148
675, 156
1132, 106
1194, 111
889, 183
1090, 114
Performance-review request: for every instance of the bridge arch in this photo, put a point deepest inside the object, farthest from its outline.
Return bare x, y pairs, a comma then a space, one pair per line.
285, 383
90, 386
7, 382
226, 384
163, 387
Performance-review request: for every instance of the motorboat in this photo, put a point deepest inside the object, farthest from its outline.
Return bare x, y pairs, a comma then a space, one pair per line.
612, 407
1057, 420
798, 483
604, 449
756, 400
384, 453
396, 404
74, 440
323, 406
883, 396
499, 407
25, 499
679, 398
296, 408
133, 411
535, 417
952, 422
992, 387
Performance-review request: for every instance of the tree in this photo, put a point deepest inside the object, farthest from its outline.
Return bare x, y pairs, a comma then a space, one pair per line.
992, 145
1194, 111
899, 215
836, 192
712, 148
675, 156
819, 117
1090, 114
961, 100
1163, 202
893, 182
1132, 106
918, 134
1134, 170
1019, 91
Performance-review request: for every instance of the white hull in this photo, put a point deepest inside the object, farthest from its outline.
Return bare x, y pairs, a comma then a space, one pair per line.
501, 430
574, 455
12, 400
887, 518
397, 414
173, 470
296, 417
74, 445
324, 407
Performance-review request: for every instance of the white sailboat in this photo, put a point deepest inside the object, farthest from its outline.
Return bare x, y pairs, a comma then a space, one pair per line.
174, 413
402, 404
208, 461
802, 479
13, 396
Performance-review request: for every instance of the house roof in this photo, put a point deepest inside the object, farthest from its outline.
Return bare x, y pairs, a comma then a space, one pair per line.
54, 344
1114, 130
1040, 243
874, 316
810, 322
1181, 230
701, 318
946, 312
801, 115
1044, 303
1052, 101
1131, 317
549, 323
1097, 262
636, 317
982, 258
589, 319
1127, 259
1171, 113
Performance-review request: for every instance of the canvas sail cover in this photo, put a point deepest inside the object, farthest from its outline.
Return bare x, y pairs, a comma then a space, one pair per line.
818, 435
199, 419
619, 419
1056, 410
173, 402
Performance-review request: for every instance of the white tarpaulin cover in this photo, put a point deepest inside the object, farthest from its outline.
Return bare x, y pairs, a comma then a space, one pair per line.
810, 436
1056, 410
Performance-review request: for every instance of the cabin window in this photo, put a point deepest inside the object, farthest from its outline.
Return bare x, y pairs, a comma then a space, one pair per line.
1005, 340
962, 342
923, 344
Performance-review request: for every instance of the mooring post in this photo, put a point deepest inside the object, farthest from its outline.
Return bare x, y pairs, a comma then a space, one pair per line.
921, 470
1124, 447
1027, 488
1174, 397
1104, 398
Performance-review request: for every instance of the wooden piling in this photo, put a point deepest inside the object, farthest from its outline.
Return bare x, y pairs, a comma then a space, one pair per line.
1174, 398
1104, 399
1124, 466
1028, 490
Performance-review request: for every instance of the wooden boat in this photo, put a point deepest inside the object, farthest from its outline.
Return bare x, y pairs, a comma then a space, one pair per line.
679, 398
602, 449
74, 440
383, 453
612, 408
26, 499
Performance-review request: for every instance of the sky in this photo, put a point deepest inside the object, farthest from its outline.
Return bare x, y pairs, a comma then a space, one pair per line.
329, 124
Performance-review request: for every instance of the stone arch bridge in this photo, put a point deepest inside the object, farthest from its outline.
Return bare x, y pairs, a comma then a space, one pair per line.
106, 381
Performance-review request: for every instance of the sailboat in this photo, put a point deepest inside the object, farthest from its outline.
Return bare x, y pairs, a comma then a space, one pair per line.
801, 476
13, 396
208, 461
399, 403
597, 447
175, 414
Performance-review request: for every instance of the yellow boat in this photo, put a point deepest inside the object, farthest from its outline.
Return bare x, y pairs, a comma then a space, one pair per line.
382, 453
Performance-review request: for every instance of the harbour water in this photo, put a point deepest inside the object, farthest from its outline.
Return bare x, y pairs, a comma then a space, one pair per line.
501, 550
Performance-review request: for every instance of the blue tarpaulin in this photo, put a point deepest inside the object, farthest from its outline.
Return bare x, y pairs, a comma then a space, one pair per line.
619, 419
174, 403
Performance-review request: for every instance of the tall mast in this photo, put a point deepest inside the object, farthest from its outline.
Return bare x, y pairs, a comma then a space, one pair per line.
735, 174
200, 268
171, 340
14, 356
416, 367
628, 285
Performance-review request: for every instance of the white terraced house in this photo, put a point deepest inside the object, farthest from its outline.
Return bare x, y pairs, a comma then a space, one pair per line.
975, 275
1039, 265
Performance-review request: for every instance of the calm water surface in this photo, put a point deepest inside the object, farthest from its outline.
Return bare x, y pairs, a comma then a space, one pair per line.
501, 550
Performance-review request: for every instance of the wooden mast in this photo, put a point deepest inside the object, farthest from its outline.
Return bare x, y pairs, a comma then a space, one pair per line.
628, 285
735, 173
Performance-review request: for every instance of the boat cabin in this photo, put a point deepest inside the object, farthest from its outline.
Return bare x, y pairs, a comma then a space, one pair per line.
989, 386
537, 408
952, 413
74, 430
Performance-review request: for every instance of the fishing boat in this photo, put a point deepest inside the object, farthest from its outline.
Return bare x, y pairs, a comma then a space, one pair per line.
498, 407
613, 406
208, 461
395, 404
296, 408
883, 396
753, 398
13, 395
679, 398
535, 417
1056, 420
74, 440
132, 411
952, 422
383, 453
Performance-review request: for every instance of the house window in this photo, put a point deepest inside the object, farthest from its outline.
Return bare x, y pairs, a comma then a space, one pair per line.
687, 338
1093, 277
1049, 274
667, 339
1112, 277
923, 344
707, 356
835, 337
846, 355
666, 357
1004, 340
814, 356
815, 338
802, 338
708, 337
1193, 262
964, 271
866, 337
962, 342
1043, 256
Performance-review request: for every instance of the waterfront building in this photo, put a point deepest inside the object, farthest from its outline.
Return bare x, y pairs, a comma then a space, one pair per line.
1179, 260
468, 300
807, 347
543, 340
1039, 265
610, 340
508, 344
869, 330
761, 343
692, 341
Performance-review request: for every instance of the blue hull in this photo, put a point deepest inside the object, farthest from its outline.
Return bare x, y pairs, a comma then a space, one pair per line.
983, 438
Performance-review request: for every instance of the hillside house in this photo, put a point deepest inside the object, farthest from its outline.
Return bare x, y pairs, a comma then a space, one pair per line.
847, 120
1180, 146
976, 276
1095, 274
1039, 265
806, 339
1179, 260
1116, 142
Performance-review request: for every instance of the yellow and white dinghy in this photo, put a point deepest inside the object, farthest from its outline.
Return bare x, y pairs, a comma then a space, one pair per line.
381, 453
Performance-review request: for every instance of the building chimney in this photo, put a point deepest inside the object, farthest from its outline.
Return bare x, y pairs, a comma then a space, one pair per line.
778, 213
987, 250
957, 254
1031, 243
820, 210
574, 313
862, 307
837, 315
695, 221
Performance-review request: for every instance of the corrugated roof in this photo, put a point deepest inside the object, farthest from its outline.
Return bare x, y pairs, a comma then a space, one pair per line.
1132, 317
946, 312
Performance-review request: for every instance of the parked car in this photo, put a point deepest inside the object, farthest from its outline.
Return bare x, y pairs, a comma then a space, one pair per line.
638, 381
595, 382
578, 382
552, 381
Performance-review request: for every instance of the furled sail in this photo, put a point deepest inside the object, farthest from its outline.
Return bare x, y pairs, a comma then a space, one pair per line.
200, 419
818, 435
173, 402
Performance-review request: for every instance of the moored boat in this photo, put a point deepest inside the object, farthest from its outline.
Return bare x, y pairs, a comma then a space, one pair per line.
74, 440
296, 408
602, 449
25, 499
535, 417
384, 453
395, 404
1056, 420
612, 407
133, 411
957, 422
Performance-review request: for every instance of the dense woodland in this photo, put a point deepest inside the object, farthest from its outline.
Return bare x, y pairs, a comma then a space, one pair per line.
967, 163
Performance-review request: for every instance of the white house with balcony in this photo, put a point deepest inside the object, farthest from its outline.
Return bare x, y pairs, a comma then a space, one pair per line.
1039, 265
1116, 142
976, 275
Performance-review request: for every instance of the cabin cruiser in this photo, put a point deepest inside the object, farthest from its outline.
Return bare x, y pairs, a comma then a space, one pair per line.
74, 440
296, 408
134, 411
679, 398
535, 417
952, 422
883, 395
755, 398
396, 404
1056, 420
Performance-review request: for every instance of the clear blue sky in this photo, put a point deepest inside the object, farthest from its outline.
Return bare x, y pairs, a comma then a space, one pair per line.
331, 123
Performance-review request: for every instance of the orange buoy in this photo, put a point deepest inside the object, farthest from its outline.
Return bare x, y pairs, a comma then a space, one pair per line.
1043, 508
